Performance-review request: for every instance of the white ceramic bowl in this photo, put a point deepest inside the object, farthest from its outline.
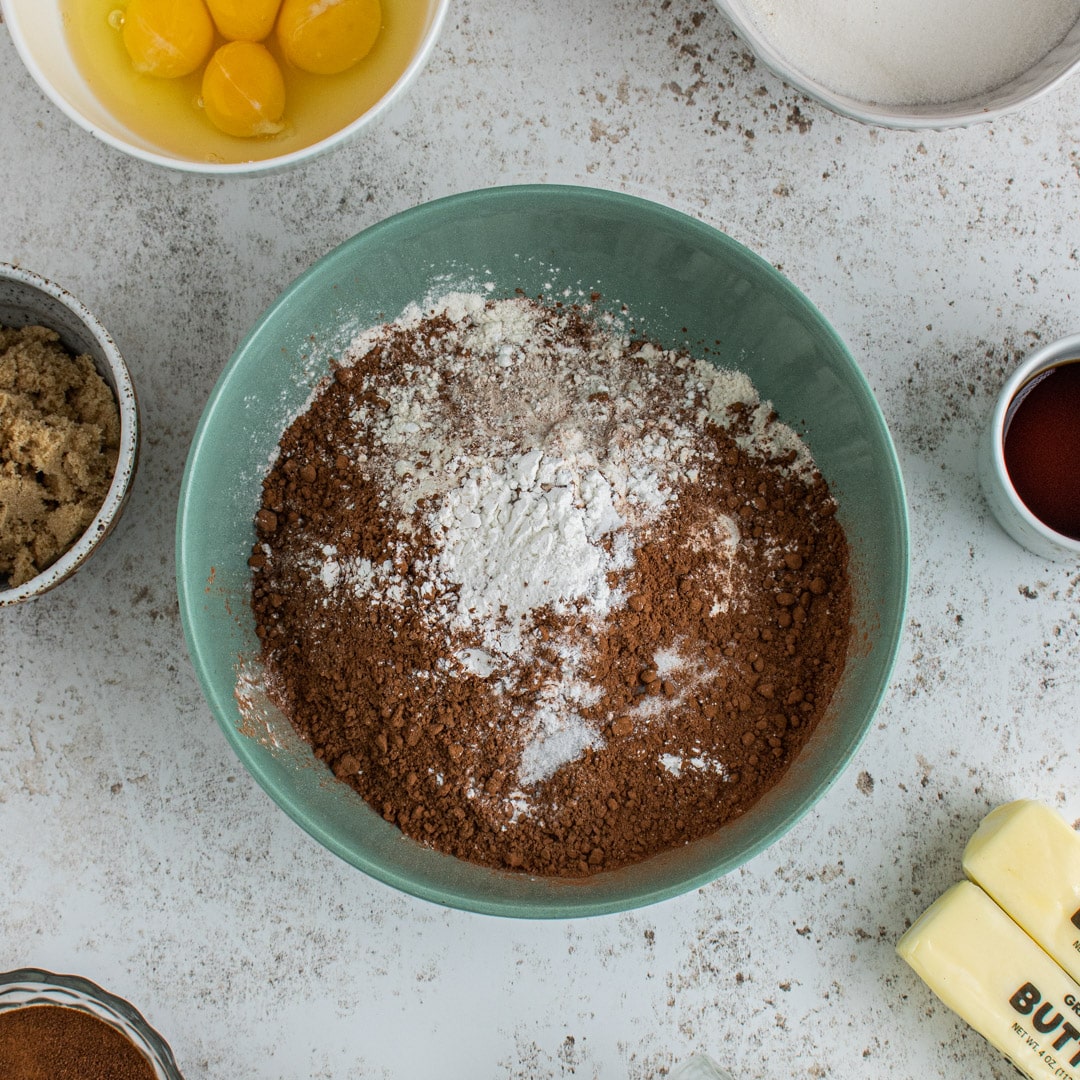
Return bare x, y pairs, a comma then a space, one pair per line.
1054, 68
37, 29
1007, 506
27, 299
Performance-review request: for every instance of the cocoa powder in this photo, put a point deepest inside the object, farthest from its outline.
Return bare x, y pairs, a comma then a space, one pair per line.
610, 731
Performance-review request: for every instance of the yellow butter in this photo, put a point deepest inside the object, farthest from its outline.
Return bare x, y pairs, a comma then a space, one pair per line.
990, 973
1027, 858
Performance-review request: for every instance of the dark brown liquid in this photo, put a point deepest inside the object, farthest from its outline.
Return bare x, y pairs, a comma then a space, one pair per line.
1042, 447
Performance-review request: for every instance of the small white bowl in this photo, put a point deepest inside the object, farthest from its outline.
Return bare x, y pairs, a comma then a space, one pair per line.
1007, 506
37, 30
27, 299
1050, 72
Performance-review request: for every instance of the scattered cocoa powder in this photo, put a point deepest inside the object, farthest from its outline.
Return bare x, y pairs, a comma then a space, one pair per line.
589, 733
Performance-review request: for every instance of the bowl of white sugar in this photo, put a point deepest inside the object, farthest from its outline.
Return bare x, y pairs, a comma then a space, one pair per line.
543, 552
914, 64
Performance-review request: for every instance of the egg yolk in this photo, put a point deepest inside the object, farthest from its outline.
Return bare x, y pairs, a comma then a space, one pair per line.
244, 20
327, 36
167, 38
243, 91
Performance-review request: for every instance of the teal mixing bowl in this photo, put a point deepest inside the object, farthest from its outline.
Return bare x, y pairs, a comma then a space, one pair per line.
684, 283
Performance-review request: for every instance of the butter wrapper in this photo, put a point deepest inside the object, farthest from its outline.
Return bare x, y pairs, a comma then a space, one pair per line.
990, 973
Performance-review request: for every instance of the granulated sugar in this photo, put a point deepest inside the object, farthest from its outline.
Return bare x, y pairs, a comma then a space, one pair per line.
549, 598
913, 52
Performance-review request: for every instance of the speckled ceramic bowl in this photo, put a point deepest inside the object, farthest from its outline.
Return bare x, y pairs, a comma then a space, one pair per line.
27, 299
29, 987
1050, 72
684, 282
37, 28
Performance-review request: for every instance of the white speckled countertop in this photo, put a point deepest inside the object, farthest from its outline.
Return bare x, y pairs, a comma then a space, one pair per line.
136, 851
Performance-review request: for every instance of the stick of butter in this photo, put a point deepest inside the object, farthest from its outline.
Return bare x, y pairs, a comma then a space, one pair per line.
1027, 858
989, 972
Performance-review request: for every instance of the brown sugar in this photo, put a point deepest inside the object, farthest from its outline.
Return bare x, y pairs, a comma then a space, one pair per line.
59, 442
516, 711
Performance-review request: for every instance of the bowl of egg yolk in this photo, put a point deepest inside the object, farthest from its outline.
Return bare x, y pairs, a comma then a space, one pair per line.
223, 86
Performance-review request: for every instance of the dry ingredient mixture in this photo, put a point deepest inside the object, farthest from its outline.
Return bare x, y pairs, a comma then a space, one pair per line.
54, 1042
59, 443
549, 597
913, 52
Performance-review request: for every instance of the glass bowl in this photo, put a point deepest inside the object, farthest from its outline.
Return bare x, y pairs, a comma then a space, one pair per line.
30, 987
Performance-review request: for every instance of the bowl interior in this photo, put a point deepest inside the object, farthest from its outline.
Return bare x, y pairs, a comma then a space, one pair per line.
1056, 66
105, 108
27, 299
685, 283
24, 304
